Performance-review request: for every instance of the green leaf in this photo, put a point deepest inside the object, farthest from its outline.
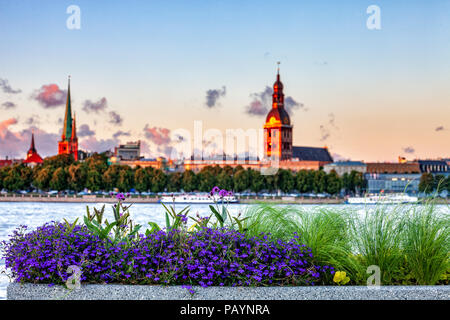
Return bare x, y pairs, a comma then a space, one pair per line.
135, 230
167, 222
213, 209
186, 208
218, 216
224, 213
107, 230
89, 214
239, 223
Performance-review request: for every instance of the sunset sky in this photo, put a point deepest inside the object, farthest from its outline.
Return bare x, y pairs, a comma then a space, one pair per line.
143, 69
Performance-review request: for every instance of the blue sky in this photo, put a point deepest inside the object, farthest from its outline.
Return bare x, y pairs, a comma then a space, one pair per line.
367, 94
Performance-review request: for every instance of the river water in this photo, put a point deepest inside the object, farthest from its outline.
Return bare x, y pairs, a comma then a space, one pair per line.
35, 214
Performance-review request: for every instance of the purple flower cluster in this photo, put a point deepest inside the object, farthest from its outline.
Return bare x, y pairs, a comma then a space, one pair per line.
43, 255
183, 217
120, 196
208, 257
222, 192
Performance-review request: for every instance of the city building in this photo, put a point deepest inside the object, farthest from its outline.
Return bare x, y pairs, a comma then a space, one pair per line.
82, 155
434, 167
7, 162
278, 138
393, 183
392, 177
155, 163
129, 151
196, 165
278, 149
392, 168
342, 167
33, 158
69, 139
278, 128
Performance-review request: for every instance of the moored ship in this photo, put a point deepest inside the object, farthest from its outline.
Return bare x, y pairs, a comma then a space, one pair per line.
394, 198
198, 199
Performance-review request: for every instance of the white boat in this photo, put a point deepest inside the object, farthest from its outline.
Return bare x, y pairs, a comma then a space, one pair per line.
394, 198
198, 199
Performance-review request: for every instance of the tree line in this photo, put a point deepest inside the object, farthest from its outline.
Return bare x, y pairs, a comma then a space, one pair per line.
61, 172
430, 183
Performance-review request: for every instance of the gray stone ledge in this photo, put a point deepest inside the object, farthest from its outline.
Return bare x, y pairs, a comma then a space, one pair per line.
17, 291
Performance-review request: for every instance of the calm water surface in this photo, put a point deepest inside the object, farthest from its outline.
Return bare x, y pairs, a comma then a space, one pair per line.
36, 214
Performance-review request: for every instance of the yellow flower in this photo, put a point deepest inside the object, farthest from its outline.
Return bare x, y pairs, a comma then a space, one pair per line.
340, 277
192, 227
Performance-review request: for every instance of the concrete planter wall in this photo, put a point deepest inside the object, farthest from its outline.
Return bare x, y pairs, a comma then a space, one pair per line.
17, 291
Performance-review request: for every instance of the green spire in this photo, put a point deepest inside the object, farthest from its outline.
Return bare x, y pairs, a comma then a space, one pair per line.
67, 130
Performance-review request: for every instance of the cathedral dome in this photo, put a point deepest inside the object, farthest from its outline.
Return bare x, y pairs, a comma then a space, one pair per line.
277, 116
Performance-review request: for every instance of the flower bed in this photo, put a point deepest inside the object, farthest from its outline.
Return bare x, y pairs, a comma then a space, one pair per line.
268, 246
207, 257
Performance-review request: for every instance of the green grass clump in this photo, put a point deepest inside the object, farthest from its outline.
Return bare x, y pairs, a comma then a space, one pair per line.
376, 239
326, 232
279, 221
426, 244
409, 243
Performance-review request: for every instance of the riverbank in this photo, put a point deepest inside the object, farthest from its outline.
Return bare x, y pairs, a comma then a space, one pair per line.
155, 199
17, 291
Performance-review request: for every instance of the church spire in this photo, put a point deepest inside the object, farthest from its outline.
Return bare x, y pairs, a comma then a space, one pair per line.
33, 157
67, 130
74, 128
278, 96
32, 147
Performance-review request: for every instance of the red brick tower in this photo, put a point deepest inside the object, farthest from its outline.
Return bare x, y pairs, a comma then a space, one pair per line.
278, 128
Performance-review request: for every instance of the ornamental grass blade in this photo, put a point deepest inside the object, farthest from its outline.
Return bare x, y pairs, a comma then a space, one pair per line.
135, 230
168, 211
217, 214
107, 230
89, 214
239, 223
167, 222
186, 208
154, 227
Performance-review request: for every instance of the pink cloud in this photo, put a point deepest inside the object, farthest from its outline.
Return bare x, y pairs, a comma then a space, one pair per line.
16, 143
4, 127
50, 96
158, 136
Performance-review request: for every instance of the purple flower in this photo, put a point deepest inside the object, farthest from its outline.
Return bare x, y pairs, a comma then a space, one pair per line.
183, 218
223, 193
215, 190
120, 196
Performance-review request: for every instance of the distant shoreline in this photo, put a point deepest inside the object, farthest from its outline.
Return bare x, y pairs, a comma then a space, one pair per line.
108, 199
